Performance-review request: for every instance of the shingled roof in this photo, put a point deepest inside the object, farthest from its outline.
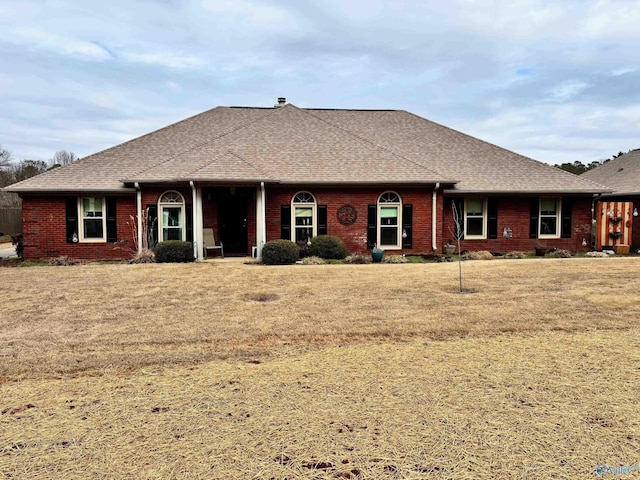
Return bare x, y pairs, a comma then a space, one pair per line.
287, 144
621, 174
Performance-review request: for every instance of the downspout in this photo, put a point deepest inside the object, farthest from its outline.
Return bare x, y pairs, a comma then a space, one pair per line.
263, 218
434, 236
194, 220
594, 232
139, 210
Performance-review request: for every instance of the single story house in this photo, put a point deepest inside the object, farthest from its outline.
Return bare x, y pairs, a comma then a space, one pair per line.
622, 176
371, 177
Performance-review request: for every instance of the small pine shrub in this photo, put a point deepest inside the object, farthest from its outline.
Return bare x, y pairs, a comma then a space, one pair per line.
313, 261
280, 252
145, 256
561, 254
358, 259
328, 247
174, 251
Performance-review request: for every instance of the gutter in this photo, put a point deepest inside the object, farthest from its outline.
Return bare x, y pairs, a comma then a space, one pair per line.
434, 236
139, 210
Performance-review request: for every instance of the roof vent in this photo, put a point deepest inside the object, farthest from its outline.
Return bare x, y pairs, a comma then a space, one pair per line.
281, 102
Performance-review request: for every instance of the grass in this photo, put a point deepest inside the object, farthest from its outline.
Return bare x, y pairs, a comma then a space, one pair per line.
332, 371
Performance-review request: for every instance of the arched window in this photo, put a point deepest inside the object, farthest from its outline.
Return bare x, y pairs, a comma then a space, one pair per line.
171, 210
303, 216
389, 220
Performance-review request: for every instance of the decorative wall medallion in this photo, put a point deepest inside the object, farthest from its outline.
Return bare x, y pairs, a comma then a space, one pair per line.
347, 215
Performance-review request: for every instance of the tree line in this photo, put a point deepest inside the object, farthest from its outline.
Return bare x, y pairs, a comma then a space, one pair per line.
578, 167
15, 171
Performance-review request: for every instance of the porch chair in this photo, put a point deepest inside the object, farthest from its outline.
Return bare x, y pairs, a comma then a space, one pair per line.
209, 242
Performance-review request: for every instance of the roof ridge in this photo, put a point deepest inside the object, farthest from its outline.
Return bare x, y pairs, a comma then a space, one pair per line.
200, 144
364, 139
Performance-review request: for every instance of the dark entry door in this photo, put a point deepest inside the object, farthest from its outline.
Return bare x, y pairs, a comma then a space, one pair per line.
232, 215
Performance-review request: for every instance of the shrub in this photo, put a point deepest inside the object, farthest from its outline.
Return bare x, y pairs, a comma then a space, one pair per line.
174, 251
358, 258
145, 256
328, 247
561, 254
63, 261
515, 255
313, 261
479, 255
280, 252
395, 259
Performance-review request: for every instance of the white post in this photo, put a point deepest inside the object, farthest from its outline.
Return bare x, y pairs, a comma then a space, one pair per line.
139, 215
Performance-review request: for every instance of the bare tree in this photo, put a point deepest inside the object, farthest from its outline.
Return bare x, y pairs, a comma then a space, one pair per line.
62, 157
5, 158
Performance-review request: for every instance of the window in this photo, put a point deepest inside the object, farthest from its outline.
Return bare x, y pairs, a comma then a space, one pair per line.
171, 207
93, 219
389, 208
475, 219
303, 213
549, 217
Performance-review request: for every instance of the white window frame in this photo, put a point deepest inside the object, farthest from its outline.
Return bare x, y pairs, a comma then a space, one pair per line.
304, 199
558, 216
482, 236
82, 218
385, 200
169, 199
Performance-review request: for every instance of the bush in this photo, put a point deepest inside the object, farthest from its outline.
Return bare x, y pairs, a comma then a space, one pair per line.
358, 258
328, 247
174, 251
313, 261
395, 259
561, 254
479, 255
515, 255
62, 261
145, 256
280, 252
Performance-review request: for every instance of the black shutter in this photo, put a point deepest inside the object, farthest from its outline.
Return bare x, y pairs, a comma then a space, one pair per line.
407, 226
565, 226
457, 203
285, 222
112, 223
71, 216
322, 219
492, 218
188, 211
152, 226
533, 218
372, 225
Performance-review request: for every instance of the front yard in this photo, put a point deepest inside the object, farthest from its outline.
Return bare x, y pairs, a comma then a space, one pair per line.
332, 371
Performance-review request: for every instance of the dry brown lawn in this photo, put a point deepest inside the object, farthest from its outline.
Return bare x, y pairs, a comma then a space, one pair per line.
227, 371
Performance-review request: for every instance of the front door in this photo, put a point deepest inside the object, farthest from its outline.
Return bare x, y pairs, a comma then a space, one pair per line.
232, 217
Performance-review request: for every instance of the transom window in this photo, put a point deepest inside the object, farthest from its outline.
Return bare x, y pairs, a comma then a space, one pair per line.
389, 221
303, 213
92, 212
475, 218
171, 209
549, 217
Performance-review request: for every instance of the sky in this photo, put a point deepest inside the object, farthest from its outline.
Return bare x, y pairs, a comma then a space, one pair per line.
555, 80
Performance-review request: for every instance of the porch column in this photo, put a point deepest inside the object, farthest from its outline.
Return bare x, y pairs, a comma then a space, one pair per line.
261, 218
197, 221
199, 224
139, 214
